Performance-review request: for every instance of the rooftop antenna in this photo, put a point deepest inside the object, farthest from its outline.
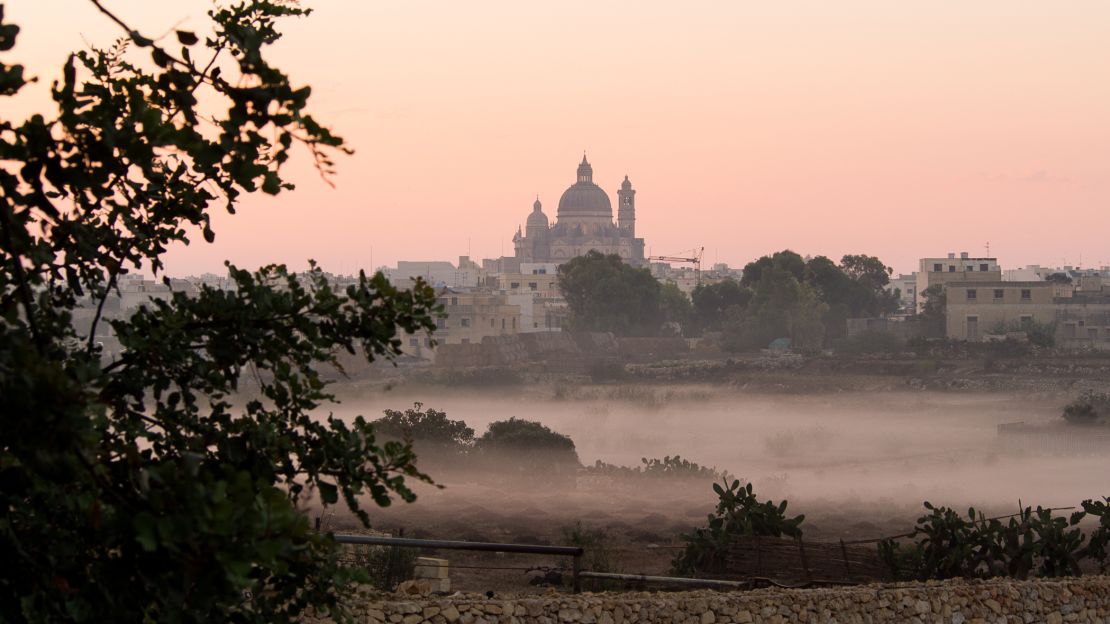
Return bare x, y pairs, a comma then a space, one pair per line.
988, 249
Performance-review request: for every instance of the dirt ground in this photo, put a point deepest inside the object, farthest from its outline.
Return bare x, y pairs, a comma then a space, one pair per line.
634, 528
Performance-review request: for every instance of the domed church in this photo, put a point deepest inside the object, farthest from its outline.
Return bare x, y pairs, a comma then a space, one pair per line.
583, 222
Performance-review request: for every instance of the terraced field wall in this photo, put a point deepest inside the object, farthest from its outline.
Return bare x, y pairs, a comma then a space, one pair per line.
1054, 601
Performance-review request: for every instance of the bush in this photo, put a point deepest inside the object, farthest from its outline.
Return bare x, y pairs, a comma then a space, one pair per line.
949, 545
429, 428
667, 468
1091, 408
596, 544
385, 566
738, 513
525, 446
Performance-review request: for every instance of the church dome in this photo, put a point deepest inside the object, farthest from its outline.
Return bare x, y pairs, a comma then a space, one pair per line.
585, 197
537, 218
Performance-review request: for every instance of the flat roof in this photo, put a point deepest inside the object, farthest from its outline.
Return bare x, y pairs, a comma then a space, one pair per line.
1001, 284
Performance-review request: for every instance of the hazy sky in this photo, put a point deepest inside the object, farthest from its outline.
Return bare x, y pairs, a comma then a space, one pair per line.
898, 129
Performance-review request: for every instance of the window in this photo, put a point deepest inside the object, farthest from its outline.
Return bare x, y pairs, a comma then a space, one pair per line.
938, 268
491, 322
514, 285
441, 323
972, 294
1026, 294
465, 322
502, 323
514, 322
532, 285
454, 301
951, 268
970, 268
465, 341
984, 267
999, 293
414, 342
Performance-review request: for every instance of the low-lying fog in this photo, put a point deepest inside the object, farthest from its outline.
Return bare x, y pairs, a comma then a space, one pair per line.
885, 448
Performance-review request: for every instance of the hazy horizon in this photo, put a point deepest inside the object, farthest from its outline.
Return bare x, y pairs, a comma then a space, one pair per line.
896, 130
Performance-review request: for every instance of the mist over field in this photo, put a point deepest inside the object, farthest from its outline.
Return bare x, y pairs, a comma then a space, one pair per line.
896, 448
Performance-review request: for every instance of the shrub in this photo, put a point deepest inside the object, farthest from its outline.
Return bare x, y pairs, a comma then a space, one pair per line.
525, 446
666, 468
385, 566
1091, 408
948, 545
428, 428
738, 513
597, 546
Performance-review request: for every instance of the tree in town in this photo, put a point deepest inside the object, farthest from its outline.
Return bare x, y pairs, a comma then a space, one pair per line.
712, 302
784, 260
854, 288
141, 488
934, 311
605, 294
781, 307
675, 306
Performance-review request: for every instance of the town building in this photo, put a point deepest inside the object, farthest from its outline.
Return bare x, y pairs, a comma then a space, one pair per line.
470, 317
905, 285
439, 273
982, 310
584, 222
942, 271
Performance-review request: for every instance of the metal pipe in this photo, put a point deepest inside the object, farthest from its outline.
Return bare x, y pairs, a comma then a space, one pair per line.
404, 542
676, 580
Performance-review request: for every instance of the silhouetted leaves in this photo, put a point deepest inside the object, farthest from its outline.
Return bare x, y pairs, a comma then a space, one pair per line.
136, 489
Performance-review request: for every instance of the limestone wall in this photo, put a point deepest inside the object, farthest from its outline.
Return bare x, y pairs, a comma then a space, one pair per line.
1084, 599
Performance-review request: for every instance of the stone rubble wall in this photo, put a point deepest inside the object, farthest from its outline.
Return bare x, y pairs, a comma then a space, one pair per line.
1053, 601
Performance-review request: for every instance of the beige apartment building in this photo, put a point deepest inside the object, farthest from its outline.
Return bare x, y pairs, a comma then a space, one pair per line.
1081, 315
471, 316
944, 271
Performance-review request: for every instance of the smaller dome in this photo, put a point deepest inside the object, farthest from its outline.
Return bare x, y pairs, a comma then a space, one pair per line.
537, 219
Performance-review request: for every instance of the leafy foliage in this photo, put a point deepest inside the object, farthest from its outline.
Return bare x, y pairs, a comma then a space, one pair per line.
529, 448
429, 427
1090, 408
135, 490
605, 294
385, 566
1034, 542
713, 302
782, 307
934, 311
738, 512
675, 468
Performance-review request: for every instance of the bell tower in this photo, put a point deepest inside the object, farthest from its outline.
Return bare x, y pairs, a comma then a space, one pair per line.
626, 209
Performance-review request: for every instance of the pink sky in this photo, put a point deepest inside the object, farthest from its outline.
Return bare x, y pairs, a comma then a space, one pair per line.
898, 129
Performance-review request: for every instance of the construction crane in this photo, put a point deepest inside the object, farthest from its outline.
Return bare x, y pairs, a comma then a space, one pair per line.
696, 261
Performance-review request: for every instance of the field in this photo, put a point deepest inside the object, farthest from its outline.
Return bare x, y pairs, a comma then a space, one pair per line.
858, 464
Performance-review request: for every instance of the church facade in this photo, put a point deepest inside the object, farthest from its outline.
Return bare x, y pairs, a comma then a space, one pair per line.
584, 221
